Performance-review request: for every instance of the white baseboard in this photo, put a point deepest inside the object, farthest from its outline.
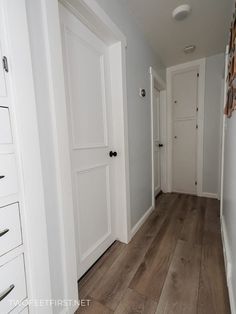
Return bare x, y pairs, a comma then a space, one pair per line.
141, 222
209, 195
228, 265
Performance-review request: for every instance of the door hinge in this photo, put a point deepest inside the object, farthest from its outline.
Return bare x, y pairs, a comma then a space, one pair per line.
198, 75
195, 182
5, 64
197, 126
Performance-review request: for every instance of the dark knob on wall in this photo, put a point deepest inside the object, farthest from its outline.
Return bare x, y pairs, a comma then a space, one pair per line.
160, 145
112, 154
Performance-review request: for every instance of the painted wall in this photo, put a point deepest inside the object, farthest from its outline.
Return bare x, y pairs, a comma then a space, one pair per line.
212, 116
229, 202
139, 58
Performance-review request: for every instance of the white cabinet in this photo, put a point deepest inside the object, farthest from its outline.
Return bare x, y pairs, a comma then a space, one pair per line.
3, 88
12, 262
4, 82
8, 175
12, 284
10, 228
5, 126
24, 264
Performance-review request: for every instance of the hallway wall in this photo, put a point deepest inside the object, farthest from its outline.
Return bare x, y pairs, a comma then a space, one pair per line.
139, 58
229, 204
212, 131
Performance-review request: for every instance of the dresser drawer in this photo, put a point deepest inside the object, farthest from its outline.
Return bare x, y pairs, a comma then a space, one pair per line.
10, 228
8, 175
5, 126
12, 284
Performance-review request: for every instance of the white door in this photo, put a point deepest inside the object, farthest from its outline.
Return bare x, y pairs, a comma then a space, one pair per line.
156, 142
86, 67
185, 104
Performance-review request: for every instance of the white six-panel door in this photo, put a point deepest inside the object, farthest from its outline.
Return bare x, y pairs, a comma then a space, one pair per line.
86, 67
184, 108
156, 139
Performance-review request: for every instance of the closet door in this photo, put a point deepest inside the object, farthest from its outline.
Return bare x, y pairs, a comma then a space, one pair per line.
185, 103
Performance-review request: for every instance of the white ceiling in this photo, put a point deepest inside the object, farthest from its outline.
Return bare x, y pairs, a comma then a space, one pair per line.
207, 27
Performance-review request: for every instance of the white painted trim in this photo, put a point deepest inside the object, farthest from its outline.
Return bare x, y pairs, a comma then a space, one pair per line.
228, 265
94, 17
160, 81
60, 137
25, 119
209, 195
97, 20
200, 65
162, 88
141, 221
120, 134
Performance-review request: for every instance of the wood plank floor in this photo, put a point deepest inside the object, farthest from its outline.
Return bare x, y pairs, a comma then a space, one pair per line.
174, 264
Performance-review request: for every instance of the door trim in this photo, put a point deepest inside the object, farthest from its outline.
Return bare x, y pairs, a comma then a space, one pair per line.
24, 116
162, 89
200, 65
98, 21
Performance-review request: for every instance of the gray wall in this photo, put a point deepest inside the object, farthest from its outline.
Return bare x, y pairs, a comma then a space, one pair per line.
212, 116
139, 58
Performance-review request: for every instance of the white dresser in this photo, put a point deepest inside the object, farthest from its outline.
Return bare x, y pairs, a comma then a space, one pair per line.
13, 287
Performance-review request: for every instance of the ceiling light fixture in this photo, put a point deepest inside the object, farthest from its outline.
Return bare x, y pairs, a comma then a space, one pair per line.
189, 49
181, 12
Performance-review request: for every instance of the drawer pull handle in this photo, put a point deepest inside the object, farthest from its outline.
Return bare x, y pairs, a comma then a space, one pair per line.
5, 293
3, 232
2, 177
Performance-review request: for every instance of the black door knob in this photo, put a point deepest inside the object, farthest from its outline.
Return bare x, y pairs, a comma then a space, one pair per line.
112, 154
160, 145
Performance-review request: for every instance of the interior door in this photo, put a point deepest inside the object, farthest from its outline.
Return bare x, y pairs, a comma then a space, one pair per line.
157, 143
185, 103
86, 67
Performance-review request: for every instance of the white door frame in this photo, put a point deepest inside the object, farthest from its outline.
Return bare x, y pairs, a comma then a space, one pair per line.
200, 65
89, 12
154, 77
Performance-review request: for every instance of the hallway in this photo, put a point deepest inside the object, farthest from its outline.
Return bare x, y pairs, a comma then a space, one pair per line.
174, 264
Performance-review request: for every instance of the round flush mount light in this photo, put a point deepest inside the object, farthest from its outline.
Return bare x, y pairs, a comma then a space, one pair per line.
181, 12
189, 49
